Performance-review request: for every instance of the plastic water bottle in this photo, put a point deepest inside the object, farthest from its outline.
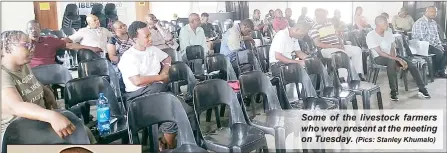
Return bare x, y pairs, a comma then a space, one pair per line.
103, 115
67, 59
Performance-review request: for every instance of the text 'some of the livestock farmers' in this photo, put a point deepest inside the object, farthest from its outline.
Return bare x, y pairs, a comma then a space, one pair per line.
394, 129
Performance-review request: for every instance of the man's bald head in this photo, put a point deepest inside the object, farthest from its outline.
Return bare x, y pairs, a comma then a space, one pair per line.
33, 29
299, 30
194, 20
119, 27
76, 150
431, 12
93, 21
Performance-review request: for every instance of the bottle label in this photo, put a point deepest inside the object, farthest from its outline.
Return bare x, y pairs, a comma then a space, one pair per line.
103, 114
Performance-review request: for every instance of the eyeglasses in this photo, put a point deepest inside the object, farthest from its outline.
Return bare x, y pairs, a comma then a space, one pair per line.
28, 45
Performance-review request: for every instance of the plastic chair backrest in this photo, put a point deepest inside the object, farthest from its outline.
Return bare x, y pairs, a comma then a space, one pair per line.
256, 82
79, 91
142, 113
264, 58
172, 53
52, 74
342, 60
215, 92
100, 67
86, 55
68, 31
26, 131
314, 66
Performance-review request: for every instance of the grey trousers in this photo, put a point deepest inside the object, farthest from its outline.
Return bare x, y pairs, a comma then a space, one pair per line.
392, 72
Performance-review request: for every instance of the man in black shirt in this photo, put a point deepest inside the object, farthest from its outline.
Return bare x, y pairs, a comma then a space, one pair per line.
207, 27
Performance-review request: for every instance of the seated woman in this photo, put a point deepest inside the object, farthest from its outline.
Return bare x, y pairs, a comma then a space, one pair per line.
145, 71
117, 45
22, 95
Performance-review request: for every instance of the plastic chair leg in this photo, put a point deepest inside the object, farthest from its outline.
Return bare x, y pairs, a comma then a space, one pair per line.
379, 100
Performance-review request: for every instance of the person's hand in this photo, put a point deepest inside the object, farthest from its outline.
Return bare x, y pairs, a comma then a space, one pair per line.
95, 49
61, 125
248, 38
403, 63
301, 62
164, 77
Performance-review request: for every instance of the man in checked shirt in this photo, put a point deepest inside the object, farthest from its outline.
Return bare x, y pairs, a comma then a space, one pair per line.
426, 29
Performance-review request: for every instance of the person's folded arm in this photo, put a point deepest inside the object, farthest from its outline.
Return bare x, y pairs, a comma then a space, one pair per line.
166, 65
76, 46
318, 43
141, 81
234, 41
201, 34
13, 104
315, 36
283, 59
111, 49
50, 100
184, 38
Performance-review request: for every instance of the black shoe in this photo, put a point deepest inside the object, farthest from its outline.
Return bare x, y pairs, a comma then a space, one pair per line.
394, 96
424, 93
441, 74
361, 77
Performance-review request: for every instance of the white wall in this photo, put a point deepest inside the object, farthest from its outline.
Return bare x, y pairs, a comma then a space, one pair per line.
166, 10
15, 15
373, 9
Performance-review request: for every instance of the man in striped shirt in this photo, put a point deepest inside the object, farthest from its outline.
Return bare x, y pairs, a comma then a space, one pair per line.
324, 35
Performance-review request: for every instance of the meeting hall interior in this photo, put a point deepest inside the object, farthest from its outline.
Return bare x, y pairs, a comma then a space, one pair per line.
204, 76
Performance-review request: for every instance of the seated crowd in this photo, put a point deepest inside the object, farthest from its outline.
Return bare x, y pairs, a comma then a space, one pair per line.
138, 53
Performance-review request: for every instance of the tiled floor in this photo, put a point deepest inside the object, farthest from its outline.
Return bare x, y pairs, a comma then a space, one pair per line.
408, 100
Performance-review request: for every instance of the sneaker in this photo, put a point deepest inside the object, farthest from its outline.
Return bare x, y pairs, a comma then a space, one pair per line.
394, 96
424, 93
361, 77
441, 75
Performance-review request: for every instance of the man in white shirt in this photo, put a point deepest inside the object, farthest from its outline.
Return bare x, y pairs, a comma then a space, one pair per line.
381, 42
284, 44
145, 71
192, 34
93, 35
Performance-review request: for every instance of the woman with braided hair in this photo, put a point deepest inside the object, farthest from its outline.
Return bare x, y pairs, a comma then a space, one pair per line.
22, 95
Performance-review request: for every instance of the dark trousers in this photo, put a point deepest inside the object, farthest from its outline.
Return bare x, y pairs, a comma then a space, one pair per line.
392, 72
439, 60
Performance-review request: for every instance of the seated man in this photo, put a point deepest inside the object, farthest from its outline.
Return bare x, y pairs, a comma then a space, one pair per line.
145, 71
209, 31
22, 95
280, 22
46, 47
93, 35
233, 40
284, 44
324, 35
381, 41
426, 29
402, 21
161, 38
192, 34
